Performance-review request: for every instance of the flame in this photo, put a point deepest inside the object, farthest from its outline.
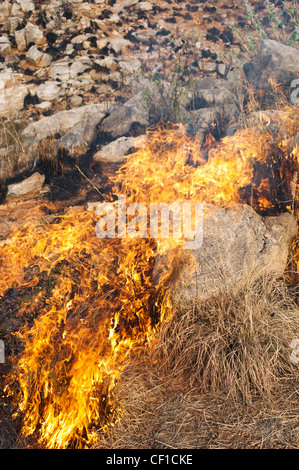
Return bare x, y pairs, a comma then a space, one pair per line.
103, 304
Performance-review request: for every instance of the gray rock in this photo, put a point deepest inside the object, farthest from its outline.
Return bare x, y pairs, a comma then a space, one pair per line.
20, 39
118, 44
145, 6
221, 69
72, 144
5, 46
32, 184
12, 94
26, 5
33, 34
238, 246
81, 122
13, 23
45, 60
60, 70
212, 92
48, 91
209, 67
124, 120
115, 151
273, 61
34, 56
5, 10
124, 4
77, 68
76, 101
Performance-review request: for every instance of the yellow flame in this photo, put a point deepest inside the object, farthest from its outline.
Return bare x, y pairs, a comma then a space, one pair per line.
104, 304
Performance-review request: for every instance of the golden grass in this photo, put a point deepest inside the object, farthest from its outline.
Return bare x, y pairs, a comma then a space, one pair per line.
218, 376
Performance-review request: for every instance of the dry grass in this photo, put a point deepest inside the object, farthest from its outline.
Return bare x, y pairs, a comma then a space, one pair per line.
219, 376
236, 344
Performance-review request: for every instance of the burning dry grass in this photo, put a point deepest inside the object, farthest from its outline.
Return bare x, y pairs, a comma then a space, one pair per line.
104, 304
219, 376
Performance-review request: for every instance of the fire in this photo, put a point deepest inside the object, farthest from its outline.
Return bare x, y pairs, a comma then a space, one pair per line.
104, 304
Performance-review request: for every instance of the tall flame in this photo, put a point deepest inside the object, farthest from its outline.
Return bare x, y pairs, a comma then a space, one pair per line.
104, 304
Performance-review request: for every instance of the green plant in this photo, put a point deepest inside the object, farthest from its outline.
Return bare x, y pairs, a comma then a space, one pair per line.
280, 23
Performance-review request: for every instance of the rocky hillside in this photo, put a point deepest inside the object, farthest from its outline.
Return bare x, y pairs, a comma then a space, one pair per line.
84, 79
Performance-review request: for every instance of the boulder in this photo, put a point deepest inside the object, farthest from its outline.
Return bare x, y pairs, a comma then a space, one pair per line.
274, 61
48, 91
211, 92
30, 185
115, 151
77, 128
129, 119
238, 245
31, 34
60, 71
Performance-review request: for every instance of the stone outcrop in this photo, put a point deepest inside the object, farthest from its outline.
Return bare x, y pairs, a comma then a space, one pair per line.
238, 246
274, 61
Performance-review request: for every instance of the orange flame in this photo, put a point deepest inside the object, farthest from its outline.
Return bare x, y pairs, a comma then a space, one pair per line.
104, 304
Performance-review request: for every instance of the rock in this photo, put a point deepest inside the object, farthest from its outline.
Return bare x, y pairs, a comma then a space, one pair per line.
13, 23
30, 185
45, 60
145, 6
26, 5
221, 69
273, 121
5, 46
44, 105
124, 4
48, 91
78, 127
238, 246
211, 92
108, 62
37, 58
20, 39
77, 68
274, 61
115, 151
118, 44
209, 67
34, 56
11, 98
5, 11
33, 34
60, 71
16, 10
114, 18
73, 144
130, 118
76, 101
129, 66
